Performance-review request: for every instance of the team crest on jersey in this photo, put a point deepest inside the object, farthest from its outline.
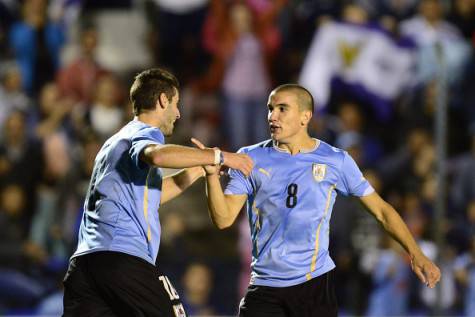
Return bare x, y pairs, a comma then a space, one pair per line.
179, 310
319, 171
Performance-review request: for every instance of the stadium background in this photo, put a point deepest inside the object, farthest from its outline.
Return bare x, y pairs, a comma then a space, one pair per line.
381, 76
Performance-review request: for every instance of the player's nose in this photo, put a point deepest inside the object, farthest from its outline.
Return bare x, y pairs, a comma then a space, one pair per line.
272, 117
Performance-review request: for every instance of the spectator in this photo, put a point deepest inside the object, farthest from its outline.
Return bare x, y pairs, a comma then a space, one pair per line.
36, 44
351, 136
21, 161
391, 282
12, 96
179, 25
78, 79
198, 284
17, 287
437, 39
242, 43
106, 114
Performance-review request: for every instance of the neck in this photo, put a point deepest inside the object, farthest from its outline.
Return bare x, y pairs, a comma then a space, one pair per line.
149, 118
302, 144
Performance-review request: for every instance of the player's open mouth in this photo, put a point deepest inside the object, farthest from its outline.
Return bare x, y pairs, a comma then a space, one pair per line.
274, 128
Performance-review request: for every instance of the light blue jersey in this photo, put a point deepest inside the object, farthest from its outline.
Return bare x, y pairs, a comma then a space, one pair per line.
290, 201
121, 207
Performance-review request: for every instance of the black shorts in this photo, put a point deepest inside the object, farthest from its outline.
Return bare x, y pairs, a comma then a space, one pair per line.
310, 299
117, 284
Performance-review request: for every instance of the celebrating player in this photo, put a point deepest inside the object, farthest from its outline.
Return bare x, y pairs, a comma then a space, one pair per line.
113, 271
290, 195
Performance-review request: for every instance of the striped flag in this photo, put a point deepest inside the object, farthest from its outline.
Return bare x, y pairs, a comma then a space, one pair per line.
365, 59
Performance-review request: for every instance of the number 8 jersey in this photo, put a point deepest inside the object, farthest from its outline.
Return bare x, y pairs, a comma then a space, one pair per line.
289, 205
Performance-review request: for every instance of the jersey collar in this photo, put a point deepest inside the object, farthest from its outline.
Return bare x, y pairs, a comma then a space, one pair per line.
278, 149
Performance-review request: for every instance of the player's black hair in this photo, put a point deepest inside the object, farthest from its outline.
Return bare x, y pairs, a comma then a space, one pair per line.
148, 86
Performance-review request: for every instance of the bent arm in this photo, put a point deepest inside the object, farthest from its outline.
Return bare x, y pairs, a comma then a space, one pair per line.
177, 183
392, 223
223, 209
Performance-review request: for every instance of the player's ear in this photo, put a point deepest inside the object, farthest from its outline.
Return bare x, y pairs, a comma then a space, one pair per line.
305, 118
163, 100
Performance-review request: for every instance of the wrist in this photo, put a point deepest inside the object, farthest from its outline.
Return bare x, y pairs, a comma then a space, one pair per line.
212, 174
218, 157
225, 157
221, 158
416, 254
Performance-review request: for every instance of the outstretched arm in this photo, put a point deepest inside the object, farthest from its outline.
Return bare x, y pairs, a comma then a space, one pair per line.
174, 185
390, 220
176, 156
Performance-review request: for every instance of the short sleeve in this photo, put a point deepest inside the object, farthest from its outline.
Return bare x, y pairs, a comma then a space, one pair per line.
140, 140
351, 180
238, 183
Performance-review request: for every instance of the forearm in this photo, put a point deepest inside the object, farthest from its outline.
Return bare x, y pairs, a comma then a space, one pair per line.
176, 156
176, 184
395, 226
219, 210
388, 217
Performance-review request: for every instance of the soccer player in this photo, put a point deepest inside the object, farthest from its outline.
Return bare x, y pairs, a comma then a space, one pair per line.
290, 194
113, 271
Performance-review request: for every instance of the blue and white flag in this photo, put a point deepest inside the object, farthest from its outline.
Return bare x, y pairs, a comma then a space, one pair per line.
368, 61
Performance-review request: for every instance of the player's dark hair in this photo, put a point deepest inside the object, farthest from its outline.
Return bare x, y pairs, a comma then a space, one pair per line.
304, 96
147, 87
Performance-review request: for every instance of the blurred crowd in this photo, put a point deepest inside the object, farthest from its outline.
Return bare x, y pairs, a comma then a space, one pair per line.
378, 70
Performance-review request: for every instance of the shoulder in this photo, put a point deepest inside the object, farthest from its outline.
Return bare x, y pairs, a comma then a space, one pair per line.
139, 130
333, 155
256, 148
331, 151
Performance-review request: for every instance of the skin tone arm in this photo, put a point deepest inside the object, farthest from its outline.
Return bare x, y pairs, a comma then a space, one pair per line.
174, 185
223, 209
392, 223
175, 156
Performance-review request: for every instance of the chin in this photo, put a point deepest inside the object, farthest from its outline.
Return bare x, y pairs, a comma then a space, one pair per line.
168, 132
276, 137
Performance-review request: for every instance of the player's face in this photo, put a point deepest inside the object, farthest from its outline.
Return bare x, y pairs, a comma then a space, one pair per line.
284, 116
172, 113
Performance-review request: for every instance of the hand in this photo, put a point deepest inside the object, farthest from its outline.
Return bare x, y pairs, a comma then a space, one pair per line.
425, 270
209, 169
237, 161
241, 162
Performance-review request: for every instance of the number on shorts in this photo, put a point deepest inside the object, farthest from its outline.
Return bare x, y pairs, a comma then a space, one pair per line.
169, 287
